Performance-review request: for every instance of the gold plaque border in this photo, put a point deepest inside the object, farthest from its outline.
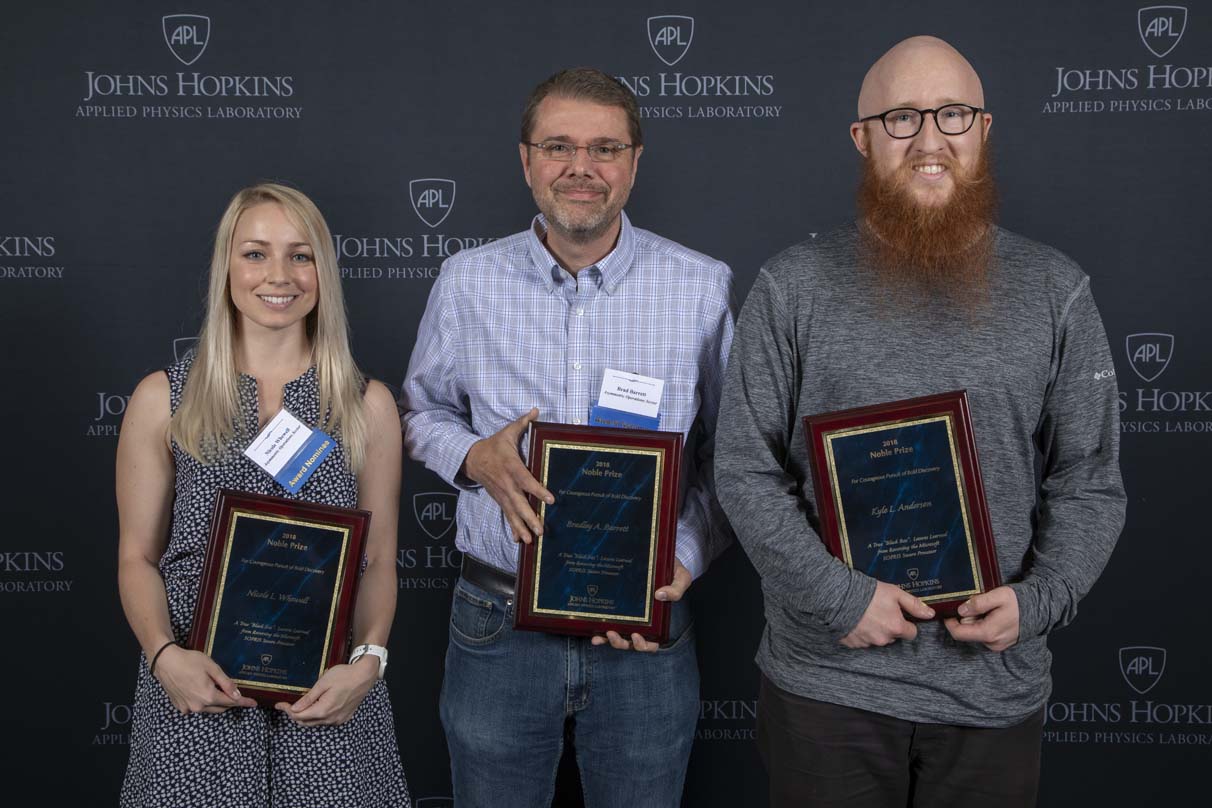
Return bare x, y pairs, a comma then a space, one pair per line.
957, 472
659, 454
332, 609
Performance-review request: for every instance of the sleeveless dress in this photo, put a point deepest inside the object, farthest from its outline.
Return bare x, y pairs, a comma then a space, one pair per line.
251, 757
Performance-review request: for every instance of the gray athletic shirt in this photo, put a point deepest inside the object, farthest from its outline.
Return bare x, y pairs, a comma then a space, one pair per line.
819, 332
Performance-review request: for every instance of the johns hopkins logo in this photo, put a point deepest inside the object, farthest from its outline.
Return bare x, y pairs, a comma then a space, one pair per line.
432, 199
266, 659
186, 35
1149, 354
1142, 666
670, 36
185, 348
913, 573
592, 589
1161, 27
435, 512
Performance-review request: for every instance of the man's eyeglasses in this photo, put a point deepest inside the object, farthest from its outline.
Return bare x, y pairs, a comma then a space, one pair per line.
906, 122
565, 152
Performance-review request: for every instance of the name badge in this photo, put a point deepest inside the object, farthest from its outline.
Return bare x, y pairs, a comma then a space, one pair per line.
289, 451
628, 400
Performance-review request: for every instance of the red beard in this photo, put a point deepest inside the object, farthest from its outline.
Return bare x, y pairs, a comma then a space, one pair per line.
947, 246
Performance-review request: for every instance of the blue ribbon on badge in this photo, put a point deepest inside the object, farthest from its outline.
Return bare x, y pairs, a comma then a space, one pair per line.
299, 468
608, 416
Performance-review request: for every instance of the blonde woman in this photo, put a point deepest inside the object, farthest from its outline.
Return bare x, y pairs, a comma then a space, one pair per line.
275, 336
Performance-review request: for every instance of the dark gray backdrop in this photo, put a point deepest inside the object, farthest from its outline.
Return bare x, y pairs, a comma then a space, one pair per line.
108, 206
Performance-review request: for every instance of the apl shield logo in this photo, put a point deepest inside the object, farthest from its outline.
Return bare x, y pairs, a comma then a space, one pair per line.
592, 589
435, 512
1142, 666
1161, 27
432, 199
912, 571
186, 35
266, 659
185, 348
1149, 354
670, 36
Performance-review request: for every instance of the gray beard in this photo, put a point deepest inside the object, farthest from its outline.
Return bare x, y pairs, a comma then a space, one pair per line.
579, 232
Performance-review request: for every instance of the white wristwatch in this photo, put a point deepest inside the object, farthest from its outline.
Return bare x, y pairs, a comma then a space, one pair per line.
373, 650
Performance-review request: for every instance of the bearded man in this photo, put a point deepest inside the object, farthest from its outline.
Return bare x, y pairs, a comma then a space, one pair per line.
866, 700
528, 325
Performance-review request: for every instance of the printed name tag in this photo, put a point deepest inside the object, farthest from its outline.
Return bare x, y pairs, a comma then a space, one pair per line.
628, 400
631, 392
289, 451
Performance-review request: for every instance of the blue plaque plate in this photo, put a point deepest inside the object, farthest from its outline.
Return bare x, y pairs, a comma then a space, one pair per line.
607, 541
900, 497
274, 609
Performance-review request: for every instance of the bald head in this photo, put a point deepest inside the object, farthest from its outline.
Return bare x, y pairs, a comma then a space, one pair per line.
923, 72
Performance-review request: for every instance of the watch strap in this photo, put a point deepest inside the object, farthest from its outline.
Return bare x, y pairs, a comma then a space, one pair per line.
371, 650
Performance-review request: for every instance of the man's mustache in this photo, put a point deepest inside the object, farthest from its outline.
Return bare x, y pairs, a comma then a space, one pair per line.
581, 186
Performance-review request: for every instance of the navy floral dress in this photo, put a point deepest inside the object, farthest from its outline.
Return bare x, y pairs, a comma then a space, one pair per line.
257, 756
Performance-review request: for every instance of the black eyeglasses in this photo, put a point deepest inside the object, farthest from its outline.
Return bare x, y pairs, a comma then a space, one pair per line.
906, 122
565, 152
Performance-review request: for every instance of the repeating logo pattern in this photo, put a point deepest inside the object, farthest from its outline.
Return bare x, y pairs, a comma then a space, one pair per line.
670, 36
185, 348
186, 36
1134, 85
1142, 666
1161, 28
1149, 353
127, 89
435, 512
432, 199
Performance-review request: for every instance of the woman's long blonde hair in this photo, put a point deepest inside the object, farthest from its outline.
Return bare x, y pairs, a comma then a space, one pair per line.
208, 423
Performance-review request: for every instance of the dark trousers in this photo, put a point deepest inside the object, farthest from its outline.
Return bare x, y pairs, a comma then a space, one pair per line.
821, 754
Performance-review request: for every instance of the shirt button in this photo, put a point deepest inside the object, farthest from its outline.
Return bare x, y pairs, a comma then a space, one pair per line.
576, 421
576, 366
580, 311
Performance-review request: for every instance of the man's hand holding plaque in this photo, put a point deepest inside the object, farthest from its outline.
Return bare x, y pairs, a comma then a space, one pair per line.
671, 593
884, 622
990, 619
495, 462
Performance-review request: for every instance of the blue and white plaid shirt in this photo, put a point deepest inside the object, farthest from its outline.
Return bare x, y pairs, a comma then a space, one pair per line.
507, 329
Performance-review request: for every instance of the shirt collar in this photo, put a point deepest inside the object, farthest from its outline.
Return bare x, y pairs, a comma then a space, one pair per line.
613, 267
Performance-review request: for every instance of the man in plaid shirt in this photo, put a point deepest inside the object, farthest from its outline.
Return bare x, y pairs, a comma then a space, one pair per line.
523, 327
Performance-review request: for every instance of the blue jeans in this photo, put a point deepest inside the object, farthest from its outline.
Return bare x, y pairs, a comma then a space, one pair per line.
507, 693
